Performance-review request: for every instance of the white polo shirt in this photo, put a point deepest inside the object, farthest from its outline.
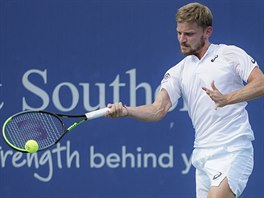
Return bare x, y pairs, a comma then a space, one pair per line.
228, 66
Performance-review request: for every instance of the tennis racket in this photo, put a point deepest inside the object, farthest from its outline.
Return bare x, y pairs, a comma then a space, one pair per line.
43, 127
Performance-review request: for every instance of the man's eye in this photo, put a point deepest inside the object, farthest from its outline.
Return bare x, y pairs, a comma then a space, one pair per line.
189, 34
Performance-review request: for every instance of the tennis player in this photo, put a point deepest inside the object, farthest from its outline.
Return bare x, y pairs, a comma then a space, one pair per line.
210, 80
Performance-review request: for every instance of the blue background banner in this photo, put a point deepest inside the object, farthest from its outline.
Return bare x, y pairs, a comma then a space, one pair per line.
75, 56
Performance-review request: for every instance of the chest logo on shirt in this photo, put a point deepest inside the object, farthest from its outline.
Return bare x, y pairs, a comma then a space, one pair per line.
213, 59
217, 175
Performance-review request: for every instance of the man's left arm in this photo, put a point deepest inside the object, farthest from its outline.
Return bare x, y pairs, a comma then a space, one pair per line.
253, 89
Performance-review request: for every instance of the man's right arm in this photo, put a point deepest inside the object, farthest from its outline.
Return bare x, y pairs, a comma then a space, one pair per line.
149, 113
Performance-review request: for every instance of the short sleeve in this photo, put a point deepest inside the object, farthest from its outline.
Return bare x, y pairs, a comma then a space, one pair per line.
243, 64
171, 83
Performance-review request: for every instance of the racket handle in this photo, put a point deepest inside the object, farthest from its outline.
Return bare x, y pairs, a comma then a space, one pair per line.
97, 113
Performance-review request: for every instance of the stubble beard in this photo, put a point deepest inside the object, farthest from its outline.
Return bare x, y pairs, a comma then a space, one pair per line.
189, 50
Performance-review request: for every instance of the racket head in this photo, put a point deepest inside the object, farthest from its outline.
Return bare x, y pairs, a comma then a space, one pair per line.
44, 127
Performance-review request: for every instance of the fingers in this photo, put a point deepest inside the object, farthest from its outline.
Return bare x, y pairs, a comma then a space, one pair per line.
116, 110
214, 94
210, 92
207, 91
213, 86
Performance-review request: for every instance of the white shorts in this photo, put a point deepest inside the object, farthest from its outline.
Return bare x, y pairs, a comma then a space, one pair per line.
213, 165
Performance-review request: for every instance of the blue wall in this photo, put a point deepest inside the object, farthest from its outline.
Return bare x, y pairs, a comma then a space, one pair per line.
76, 56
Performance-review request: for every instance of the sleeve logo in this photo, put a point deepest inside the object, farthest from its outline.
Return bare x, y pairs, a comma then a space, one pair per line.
166, 78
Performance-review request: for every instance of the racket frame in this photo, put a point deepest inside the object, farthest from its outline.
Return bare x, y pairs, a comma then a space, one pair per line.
24, 112
85, 117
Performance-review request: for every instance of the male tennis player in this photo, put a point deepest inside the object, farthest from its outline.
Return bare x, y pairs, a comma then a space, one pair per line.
210, 80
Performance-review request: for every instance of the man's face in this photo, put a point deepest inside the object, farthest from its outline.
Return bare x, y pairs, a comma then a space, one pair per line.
191, 38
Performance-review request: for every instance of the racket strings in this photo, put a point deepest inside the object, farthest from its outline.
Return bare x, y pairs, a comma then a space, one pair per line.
14, 133
42, 127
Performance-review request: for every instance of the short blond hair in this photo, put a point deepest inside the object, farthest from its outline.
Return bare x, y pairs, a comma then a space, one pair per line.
195, 13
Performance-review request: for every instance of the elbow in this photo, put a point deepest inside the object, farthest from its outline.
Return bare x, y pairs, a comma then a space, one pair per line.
161, 113
262, 91
160, 116
161, 107
262, 87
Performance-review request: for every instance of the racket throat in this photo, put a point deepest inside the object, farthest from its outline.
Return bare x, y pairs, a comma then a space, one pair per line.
75, 124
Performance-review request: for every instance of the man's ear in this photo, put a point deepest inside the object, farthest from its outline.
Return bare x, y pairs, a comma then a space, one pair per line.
208, 31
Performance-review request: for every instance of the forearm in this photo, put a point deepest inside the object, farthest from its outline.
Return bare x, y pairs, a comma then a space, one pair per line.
249, 92
254, 89
148, 113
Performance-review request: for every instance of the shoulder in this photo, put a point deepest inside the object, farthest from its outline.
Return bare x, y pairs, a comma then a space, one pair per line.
233, 53
174, 72
177, 68
231, 49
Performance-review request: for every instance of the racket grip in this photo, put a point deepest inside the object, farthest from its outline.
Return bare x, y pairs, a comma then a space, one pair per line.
97, 113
